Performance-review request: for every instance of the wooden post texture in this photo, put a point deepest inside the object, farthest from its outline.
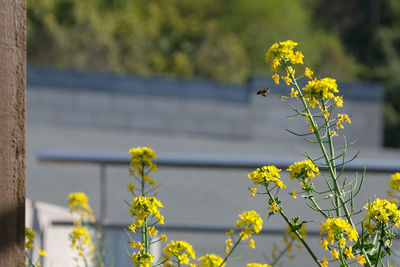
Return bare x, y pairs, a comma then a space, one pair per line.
12, 132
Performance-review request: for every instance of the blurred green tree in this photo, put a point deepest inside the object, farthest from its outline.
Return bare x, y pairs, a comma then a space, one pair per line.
218, 39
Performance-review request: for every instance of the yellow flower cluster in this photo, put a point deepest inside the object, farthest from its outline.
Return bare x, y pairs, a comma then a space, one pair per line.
142, 260
81, 239
210, 260
182, 250
342, 118
252, 223
336, 229
394, 184
30, 236
266, 174
303, 170
78, 202
282, 52
141, 157
320, 89
382, 211
255, 264
142, 206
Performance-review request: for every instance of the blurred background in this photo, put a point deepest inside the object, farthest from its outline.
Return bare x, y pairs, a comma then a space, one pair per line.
180, 76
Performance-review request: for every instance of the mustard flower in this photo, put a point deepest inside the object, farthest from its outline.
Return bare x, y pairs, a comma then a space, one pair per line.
361, 260
369, 227
42, 252
253, 191
78, 202
324, 262
293, 93
273, 207
181, 250
303, 170
293, 193
349, 253
338, 101
342, 118
142, 206
142, 260
252, 222
394, 184
30, 236
163, 238
256, 264
319, 89
266, 175
283, 51
335, 254
308, 72
382, 211
211, 260
252, 244
141, 157
336, 228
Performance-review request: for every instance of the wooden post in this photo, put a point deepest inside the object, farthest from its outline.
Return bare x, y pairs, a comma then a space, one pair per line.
12, 132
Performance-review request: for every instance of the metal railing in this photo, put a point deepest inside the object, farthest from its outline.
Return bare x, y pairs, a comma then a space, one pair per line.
197, 161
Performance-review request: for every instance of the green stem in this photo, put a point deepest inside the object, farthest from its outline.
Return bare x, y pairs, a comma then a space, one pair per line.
230, 252
282, 253
295, 231
317, 206
380, 244
331, 163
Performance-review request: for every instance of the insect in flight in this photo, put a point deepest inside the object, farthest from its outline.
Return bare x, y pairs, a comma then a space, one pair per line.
263, 92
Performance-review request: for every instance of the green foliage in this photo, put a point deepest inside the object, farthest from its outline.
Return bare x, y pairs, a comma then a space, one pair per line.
222, 40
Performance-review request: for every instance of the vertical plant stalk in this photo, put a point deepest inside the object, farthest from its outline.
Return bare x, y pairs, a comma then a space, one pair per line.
330, 162
294, 230
231, 251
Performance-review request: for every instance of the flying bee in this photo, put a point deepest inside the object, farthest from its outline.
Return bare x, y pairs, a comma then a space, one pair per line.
263, 92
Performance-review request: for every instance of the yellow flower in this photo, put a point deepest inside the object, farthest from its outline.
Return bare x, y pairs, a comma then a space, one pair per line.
152, 230
293, 193
253, 191
369, 227
333, 133
178, 249
308, 72
338, 101
336, 227
342, 118
226, 249
42, 252
361, 260
140, 158
255, 264
303, 169
324, 244
252, 244
168, 264
275, 77
30, 235
324, 262
266, 175
382, 210
335, 254
294, 93
163, 238
211, 260
252, 222
394, 184
230, 232
142, 206
320, 89
273, 207
349, 252
131, 187
228, 242
78, 202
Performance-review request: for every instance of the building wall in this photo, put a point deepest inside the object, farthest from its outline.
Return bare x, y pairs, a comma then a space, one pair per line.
190, 107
